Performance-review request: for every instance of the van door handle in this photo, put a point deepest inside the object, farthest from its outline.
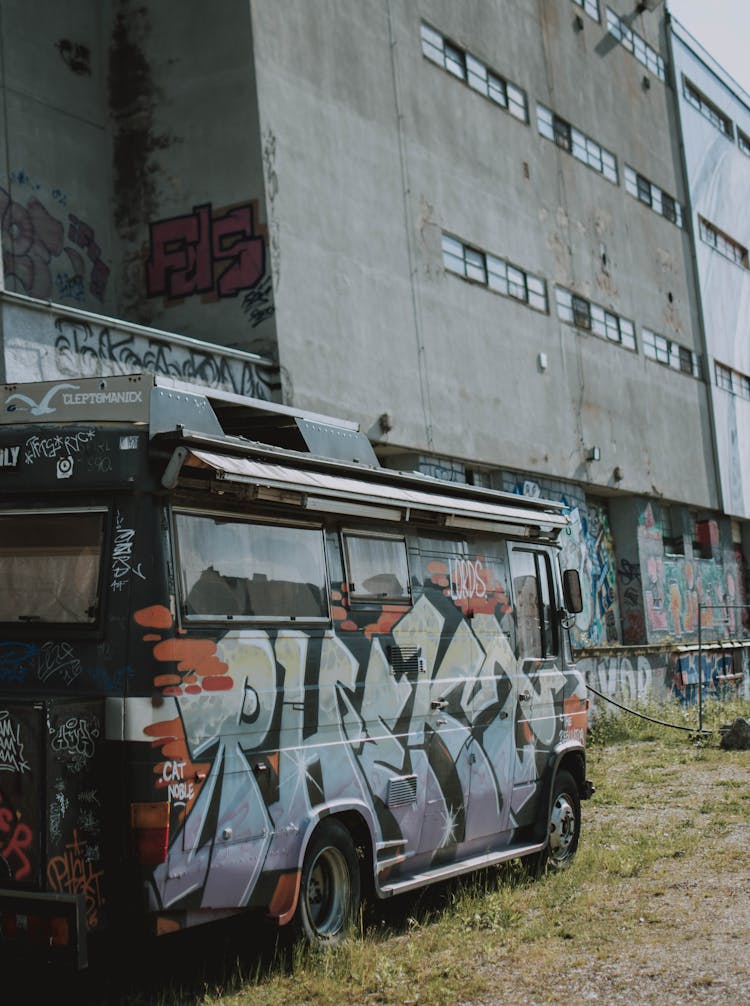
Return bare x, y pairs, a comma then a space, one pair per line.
524, 696
439, 704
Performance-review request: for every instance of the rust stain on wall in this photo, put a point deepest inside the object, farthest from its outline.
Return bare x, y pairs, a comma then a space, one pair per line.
133, 98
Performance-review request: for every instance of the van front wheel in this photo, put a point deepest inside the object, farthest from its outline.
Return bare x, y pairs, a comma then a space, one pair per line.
563, 828
564, 822
329, 895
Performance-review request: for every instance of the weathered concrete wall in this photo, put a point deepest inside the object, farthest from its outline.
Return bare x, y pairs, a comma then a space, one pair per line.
131, 181
378, 151
55, 183
719, 175
188, 177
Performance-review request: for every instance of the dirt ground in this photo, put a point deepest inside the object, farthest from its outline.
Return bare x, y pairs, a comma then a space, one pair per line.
678, 932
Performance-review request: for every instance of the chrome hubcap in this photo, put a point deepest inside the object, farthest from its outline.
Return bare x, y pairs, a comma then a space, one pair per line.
562, 827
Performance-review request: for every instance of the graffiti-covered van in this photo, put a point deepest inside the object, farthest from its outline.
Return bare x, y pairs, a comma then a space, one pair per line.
243, 666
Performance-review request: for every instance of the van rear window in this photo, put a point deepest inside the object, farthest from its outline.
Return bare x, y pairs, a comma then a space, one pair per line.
50, 564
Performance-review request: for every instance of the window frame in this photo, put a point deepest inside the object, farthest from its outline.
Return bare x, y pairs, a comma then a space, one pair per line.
578, 144
636, 45
670, 354
194, 619
549, 628
590, 7
586, 316
473, 72
74, 629
697, 100
722, 243
649, 194
356, 599
499, 275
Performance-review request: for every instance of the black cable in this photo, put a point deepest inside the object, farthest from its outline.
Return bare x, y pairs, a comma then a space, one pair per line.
651, 719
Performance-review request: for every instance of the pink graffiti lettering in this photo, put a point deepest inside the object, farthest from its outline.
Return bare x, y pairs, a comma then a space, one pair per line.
205, 252
32, 238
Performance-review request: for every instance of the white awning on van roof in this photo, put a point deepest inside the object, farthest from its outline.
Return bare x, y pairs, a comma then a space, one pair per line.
358, 497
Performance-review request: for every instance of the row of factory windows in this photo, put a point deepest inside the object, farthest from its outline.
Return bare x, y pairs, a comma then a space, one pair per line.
714, 114
631, 40
585, 149
477, 75
510, 280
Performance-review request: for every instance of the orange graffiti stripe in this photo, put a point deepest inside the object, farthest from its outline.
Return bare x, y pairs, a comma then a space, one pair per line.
155, 617
197, 655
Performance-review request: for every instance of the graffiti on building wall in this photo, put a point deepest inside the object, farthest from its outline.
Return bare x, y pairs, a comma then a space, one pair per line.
720, 674
84, 349
631, 601
679, 592
210, 252
46, 253
628, 680
588, 547
16, 838
659, 677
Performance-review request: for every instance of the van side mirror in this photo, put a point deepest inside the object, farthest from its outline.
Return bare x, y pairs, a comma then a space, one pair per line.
572, 591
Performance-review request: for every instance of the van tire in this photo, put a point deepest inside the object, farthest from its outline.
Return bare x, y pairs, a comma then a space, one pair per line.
329, 897
563, 827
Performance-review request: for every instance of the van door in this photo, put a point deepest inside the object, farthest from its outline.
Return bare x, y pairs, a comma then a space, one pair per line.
540, 679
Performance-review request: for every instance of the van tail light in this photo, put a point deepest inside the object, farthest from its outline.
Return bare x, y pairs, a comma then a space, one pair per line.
149, 828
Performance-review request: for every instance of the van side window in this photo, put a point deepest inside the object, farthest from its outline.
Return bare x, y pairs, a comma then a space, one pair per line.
234, 568
533, 593
377, 567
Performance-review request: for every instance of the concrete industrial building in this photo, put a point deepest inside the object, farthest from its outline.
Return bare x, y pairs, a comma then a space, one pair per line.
467, 227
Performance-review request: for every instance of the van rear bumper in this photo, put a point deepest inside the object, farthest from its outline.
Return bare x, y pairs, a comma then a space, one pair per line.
45, 925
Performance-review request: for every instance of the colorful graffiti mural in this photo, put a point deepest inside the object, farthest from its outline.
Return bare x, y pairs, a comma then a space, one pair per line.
415, 707
677, 588
665, 676
45, 256
587, 546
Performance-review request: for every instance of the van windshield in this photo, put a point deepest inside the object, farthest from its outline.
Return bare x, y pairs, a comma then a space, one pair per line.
49, 566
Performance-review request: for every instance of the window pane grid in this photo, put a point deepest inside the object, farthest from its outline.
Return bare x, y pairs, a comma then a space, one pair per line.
732, 381
639, 47
466, 67
652, 196
582, 147
709, 111
591, 7
671, 354
722, 243
495, 273
584, 315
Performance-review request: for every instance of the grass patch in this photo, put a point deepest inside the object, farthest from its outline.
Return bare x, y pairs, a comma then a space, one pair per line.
664, 808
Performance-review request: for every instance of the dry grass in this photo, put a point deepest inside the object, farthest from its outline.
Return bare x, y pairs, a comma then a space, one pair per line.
652, 909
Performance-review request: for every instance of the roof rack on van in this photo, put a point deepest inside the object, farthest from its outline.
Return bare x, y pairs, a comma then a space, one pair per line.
167, 404
186, 420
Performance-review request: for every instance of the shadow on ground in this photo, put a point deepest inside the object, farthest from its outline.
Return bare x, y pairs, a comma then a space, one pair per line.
212, 960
